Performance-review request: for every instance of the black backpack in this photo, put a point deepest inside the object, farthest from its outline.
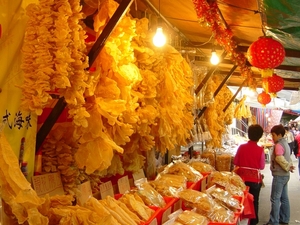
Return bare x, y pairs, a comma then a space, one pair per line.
295, 148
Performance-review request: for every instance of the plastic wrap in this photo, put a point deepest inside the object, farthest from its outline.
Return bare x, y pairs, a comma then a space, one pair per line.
149, 195
201, 166
229, 181
223, 161
169, 184
206, 206
224, 198
209, 155
180, 168
191, 218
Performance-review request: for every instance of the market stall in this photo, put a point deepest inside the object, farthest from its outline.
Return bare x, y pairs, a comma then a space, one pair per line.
98, 106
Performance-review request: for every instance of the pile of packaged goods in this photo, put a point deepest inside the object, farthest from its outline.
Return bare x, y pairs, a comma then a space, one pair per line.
180, 194
193, 193
217, 200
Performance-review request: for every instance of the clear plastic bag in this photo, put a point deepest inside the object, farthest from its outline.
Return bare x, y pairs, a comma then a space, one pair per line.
229, 181
191, 218
179, 168
210, 156
169, 184
202, 167
223, 161
149, 195
224, 198
206, 206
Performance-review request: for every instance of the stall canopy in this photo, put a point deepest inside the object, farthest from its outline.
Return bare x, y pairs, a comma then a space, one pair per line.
235, 22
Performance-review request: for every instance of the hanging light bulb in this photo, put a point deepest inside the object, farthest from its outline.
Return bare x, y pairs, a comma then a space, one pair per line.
159, 38
214, 59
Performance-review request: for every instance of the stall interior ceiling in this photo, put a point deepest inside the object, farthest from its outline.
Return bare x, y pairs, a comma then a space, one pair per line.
243, 20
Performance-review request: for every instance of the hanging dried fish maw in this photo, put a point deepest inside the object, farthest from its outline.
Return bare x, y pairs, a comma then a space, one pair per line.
16, 191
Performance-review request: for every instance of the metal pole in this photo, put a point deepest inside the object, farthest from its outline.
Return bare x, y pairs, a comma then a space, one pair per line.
218, 89
110, 26
61, 104
208, 75
234, 96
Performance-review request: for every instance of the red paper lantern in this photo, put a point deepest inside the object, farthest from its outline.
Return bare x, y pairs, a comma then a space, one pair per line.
273, 84
266, 54
264, 98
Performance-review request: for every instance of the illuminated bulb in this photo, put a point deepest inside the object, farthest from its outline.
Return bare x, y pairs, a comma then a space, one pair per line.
269, 119
267, 115
251, 92
159, 38
214, 59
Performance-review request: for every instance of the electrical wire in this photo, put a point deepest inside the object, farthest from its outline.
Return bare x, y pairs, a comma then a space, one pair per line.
211, 36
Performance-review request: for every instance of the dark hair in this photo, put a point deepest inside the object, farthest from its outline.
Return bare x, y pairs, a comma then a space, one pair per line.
255, 132
278, 129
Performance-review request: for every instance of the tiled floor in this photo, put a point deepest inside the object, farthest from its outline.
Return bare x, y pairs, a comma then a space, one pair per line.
294, 195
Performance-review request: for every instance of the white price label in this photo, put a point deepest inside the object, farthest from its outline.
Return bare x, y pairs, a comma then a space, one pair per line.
166, 214
106, 189
138, 175
177, 205
85, 192
123, 184
153, 222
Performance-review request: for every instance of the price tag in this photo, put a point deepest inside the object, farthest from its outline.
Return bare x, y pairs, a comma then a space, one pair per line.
177, 205
166, 214
48, 184
153, 222
203, 184
123, 184
85, 192
106, 189
138, 175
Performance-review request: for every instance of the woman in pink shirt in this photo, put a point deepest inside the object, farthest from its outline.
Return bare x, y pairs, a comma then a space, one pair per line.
249, 160
281, 166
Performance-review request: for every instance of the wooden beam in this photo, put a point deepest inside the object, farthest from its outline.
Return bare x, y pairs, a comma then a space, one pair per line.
234, 96
218, 89
208, 75
228, 61
225, 80
288, 52
49, 123
110, 26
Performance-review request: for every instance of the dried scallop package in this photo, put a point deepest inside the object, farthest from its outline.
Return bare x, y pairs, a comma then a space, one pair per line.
150, 196
179, 168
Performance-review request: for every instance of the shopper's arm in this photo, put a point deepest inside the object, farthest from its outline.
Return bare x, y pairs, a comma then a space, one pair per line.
279, 158
283, 163
262, 160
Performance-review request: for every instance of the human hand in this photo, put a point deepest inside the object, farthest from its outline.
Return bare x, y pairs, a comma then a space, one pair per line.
292, 168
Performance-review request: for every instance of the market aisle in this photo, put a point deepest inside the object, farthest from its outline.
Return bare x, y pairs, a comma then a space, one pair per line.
294, 196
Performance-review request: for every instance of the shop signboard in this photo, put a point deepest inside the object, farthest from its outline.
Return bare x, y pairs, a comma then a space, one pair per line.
19, 126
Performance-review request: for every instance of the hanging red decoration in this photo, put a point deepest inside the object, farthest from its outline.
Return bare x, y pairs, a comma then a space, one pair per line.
273, 84
266, 54
264, 98
209, 16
